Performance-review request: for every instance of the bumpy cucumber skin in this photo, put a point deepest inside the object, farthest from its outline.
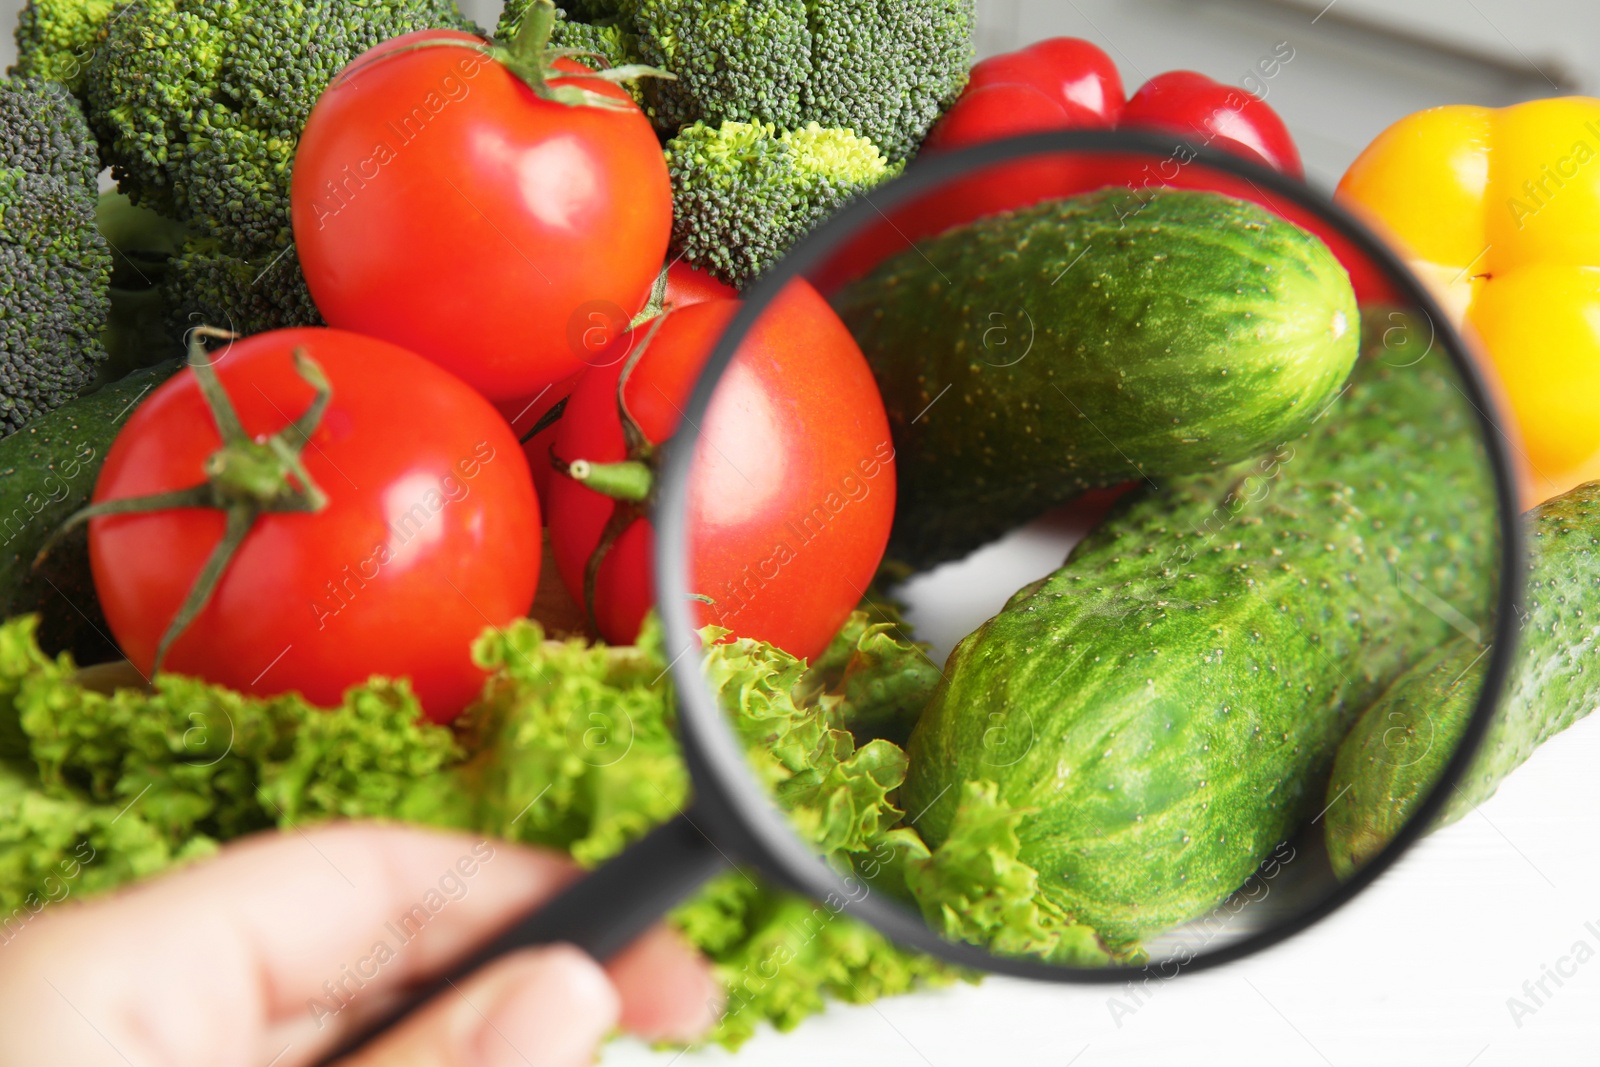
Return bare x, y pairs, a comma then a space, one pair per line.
1388, 765
1169, 335
47, 472
1169, 703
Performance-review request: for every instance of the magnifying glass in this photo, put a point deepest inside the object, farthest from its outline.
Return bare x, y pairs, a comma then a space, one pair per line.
1135, 764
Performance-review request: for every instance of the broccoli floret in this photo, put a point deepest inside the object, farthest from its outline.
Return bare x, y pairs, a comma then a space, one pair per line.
208, 284
55, 268
55, 38
888, 70
199, 104
739, 60
594, 10
884, 69
166, 280
744, 193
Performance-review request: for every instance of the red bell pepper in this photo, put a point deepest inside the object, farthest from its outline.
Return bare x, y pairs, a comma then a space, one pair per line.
1065, 83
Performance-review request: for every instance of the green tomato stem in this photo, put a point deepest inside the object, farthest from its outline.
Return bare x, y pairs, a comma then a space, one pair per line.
528, 47
531, 58
245, 478
629, 480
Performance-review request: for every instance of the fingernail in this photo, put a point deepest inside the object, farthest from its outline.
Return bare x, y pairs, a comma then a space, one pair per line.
553, 1011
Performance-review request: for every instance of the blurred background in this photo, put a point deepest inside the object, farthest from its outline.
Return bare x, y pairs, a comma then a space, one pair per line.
1422, 969
1357, 65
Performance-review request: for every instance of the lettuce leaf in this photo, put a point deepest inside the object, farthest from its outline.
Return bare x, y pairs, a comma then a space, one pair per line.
570, 746
883, 677
575, 743
781, 956
837, 796
55, 847
974, 888
199, 759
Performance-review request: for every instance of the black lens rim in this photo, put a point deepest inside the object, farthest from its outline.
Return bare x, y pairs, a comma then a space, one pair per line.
727, 793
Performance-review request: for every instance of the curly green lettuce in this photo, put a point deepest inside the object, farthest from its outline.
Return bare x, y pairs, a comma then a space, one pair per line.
574, 742
973, 887
781, 957
837, 796
569, 746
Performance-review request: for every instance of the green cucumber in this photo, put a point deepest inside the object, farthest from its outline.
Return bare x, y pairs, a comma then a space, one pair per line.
1093, 341
1388, 764
47, 472
1166, 706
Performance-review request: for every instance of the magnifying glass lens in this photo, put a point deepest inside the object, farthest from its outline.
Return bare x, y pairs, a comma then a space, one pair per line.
1165, 737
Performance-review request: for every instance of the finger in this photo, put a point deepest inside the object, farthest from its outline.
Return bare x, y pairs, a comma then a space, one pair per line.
280, 942
547, 1007
668, 990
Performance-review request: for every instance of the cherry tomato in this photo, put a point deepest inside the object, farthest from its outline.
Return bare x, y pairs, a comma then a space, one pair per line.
688, 285
539, 413
430, 532
793, 487
441, 204
685, 286
1209, 112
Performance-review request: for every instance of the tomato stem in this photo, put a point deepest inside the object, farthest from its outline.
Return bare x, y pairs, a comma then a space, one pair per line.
547, 420
531, 58
244, 478
629, 480
656, 306
639, 444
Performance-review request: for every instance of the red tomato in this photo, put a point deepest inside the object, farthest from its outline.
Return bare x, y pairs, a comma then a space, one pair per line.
1210, 112
793, 487
688, 285
430, 533
440, 204
524, 416
685, 286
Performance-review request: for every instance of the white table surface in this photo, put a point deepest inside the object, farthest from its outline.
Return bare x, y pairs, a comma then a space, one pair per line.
1416, 971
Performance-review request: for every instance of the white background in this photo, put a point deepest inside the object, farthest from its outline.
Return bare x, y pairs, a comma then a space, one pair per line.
1418, 970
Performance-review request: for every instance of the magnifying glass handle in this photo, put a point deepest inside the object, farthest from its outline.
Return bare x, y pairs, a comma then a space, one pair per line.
601, 913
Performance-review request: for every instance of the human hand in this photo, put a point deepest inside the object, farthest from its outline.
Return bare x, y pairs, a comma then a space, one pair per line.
270, 953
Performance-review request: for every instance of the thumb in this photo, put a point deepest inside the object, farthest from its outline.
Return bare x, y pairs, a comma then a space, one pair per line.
545, 1007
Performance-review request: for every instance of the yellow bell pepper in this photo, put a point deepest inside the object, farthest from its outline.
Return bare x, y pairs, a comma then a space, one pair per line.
1500, 210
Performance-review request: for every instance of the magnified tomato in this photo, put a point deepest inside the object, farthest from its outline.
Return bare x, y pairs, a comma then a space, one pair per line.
537, 419
793, 486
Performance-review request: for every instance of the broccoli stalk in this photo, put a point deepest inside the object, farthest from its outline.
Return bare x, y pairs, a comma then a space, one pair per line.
744, 193
55, 267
